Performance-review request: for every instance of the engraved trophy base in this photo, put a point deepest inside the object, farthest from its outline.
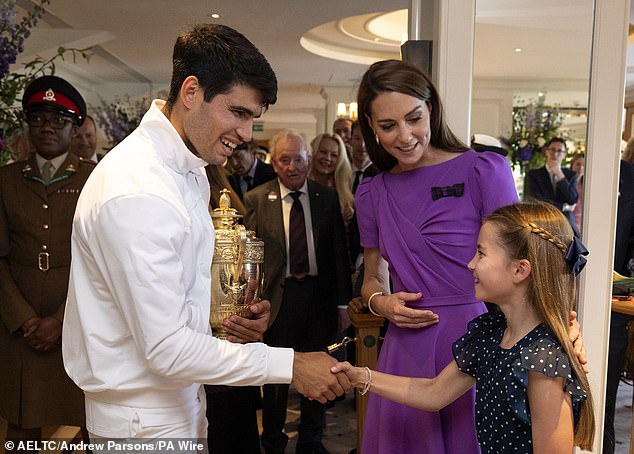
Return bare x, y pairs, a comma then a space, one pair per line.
223, 312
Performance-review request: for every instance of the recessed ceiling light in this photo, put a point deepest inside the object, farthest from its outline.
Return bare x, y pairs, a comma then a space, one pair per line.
215, 16
518, 49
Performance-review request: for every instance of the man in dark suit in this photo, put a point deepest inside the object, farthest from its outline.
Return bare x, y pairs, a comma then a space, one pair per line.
343, 128
307, 274
623, 253
247, 171
37, 202
552, 183
362, 168
84, 144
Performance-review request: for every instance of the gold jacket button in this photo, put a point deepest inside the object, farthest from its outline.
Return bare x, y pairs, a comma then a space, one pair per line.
45, 226
45, 206
44, 247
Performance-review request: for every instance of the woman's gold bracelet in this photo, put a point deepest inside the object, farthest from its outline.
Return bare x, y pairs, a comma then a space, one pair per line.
370, 303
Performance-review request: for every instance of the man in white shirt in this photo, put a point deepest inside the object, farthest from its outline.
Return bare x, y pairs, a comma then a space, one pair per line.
136, 329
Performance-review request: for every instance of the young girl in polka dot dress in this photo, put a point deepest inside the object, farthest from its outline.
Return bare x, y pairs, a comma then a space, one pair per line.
532, 394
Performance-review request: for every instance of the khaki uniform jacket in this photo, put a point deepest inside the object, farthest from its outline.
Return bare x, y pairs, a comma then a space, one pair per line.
35, 227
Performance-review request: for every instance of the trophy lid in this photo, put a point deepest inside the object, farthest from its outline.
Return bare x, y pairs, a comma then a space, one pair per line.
224, 216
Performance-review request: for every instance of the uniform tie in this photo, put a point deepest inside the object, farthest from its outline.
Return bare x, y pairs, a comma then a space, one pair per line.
298, 245
46, 171
357, 180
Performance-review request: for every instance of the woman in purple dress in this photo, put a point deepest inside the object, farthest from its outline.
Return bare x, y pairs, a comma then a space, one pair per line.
419, 222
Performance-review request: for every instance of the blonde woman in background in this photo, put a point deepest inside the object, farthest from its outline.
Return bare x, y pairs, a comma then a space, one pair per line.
330, 166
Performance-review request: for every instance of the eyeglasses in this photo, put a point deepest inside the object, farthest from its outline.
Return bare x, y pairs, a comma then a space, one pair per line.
56, 121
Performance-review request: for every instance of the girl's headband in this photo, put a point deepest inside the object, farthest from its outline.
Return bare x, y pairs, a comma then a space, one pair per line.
574, 253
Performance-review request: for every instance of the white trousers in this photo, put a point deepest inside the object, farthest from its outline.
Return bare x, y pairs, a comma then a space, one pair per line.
141, 430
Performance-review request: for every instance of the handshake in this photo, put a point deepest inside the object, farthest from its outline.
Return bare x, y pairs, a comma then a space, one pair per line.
312, 372
319, 376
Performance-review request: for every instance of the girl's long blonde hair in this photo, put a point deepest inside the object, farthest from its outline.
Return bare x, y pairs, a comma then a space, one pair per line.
540, 233
343, 170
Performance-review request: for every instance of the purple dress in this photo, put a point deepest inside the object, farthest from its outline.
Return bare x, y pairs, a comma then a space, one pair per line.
426, 222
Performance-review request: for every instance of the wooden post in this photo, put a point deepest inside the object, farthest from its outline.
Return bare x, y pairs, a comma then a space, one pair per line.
366, 327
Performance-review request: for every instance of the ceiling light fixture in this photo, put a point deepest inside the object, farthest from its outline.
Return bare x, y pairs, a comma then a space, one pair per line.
347, 110
518, 49
215, 16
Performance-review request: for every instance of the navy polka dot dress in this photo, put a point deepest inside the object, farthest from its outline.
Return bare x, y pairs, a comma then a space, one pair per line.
503, 418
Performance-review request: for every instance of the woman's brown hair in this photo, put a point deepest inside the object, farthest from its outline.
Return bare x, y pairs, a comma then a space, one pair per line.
401, 77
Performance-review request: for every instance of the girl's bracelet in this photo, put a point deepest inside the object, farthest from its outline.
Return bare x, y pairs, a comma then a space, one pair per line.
368, 383
370, 303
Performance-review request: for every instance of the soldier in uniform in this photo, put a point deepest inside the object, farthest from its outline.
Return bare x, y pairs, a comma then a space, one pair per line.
37, 203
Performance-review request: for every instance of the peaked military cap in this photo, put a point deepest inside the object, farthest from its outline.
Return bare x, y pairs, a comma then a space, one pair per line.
54, 94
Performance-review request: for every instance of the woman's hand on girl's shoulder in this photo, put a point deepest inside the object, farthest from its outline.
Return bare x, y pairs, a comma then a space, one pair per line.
574, 332
393, 307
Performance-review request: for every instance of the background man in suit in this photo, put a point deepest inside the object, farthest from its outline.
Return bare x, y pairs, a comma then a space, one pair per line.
84, 144
247, 171
37, 202
307, 276
362, 168
343, 128
623, 253
552, 183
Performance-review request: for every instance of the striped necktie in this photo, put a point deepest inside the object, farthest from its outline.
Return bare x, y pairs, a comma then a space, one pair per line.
297, 242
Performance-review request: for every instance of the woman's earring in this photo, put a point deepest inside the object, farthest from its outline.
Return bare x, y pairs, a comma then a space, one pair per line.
377, 139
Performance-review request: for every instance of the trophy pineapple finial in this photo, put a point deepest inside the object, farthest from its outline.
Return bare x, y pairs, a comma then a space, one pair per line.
224, 202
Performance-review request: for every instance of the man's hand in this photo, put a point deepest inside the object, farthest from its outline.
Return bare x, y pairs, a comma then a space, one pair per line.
47, 334
574, 333
242, 330
356, 306
30, 326
312, 377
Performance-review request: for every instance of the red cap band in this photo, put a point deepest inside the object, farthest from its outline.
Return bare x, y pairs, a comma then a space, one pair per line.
50, 97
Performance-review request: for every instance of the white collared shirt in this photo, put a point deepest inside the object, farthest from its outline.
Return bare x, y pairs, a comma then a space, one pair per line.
136, 328
287, 203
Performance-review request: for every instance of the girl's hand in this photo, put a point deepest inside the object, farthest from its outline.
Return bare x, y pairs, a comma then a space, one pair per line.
356, 375
394, 309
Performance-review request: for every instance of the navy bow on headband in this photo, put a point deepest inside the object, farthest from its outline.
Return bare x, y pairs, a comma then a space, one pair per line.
575, 256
